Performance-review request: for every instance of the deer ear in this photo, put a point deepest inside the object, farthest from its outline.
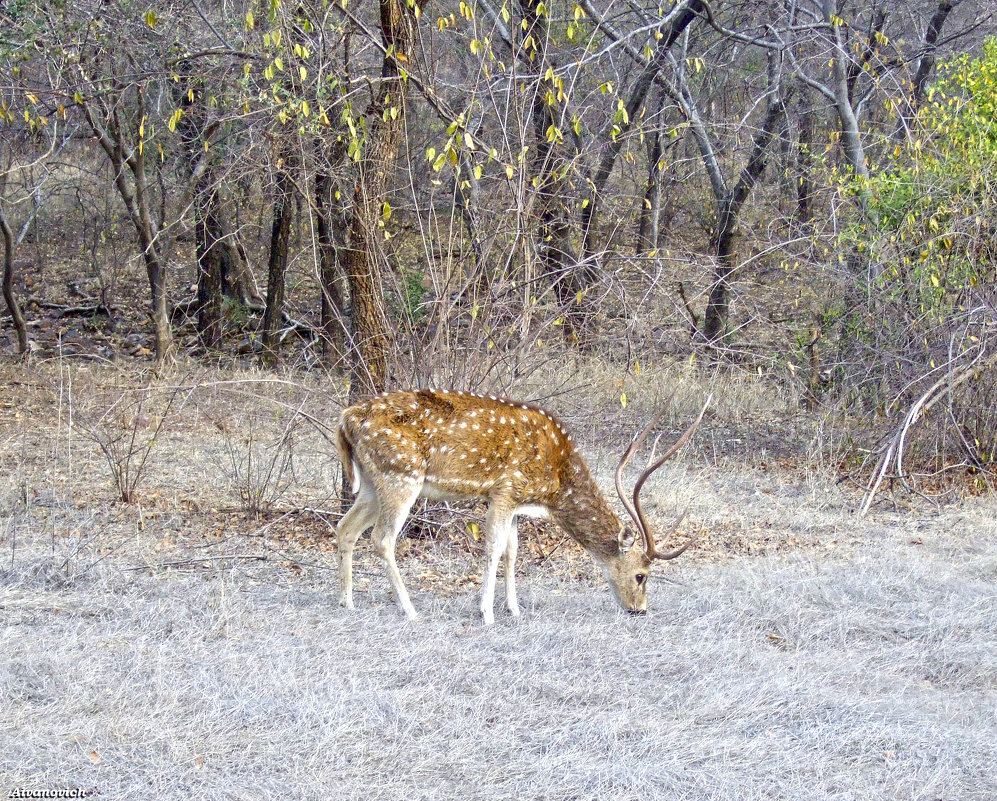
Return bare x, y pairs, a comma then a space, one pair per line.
626, 539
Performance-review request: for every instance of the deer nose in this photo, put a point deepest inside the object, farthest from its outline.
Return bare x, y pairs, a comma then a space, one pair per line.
637, 612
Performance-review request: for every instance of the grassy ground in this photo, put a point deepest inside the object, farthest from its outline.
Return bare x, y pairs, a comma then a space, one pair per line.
188, 646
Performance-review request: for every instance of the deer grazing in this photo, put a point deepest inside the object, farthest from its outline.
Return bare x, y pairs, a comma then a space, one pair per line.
402, 446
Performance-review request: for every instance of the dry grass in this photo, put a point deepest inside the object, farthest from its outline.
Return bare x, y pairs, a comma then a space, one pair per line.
762, 678
194, 649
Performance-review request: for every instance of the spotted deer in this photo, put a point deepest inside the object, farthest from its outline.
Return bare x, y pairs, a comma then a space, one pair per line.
402, 446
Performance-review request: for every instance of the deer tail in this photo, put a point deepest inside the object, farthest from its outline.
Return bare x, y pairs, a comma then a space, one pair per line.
345, 448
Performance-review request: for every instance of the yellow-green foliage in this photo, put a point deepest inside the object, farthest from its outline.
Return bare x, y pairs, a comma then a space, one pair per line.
935, 207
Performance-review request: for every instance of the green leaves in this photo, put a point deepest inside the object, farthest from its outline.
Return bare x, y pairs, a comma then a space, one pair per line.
934, 207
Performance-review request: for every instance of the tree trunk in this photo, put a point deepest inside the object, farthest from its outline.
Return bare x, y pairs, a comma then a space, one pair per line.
648, 232
194, 131
924, 66
280, 237
729, 208
553, 245
330, 271
8, 285
804, 165
208, 235
135, 196
638, 93
386, 115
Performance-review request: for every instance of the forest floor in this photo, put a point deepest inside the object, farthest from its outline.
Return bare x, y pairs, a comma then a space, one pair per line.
188, 643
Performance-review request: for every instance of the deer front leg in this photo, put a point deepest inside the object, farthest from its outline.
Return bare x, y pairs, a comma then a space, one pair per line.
390, 520
509, 560
496, 541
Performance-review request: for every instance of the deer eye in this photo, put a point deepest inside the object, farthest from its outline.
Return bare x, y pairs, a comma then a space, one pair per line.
641, 578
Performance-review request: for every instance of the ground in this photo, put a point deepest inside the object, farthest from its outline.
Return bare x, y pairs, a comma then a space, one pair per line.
188, 643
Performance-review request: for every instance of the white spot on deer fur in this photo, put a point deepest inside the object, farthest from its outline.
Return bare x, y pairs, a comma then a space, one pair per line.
502, 420
476, 427
366, 423
492, 397
482, 460
463, 456
472, 414
463, 424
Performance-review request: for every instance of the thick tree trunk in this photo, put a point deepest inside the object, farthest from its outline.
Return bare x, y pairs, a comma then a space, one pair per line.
372, 337
553, 245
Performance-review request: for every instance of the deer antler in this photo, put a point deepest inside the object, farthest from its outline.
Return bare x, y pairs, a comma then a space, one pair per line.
635, 510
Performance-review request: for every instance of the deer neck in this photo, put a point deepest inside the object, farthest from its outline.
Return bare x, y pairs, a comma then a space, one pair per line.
583, 513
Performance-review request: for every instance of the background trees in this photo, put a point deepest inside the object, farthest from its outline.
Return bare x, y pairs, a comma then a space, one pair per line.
464, 192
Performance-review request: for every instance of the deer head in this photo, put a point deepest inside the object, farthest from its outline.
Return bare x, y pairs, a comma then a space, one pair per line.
628, 573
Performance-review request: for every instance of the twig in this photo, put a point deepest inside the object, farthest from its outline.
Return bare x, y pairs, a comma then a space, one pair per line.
192, 562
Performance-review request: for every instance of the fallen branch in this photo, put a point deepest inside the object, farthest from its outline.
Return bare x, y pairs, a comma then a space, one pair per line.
192, 562
63, 310
894, 453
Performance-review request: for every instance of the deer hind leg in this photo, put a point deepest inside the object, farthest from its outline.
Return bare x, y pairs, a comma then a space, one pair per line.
390, 519
361, 516
497, 536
